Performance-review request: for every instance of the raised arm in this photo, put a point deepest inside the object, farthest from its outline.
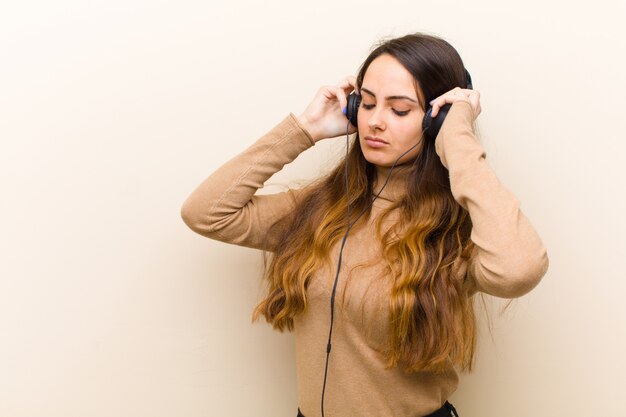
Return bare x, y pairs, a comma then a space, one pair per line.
510, 258
223, 207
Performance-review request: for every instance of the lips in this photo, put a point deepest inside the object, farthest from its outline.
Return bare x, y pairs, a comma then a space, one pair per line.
375, 139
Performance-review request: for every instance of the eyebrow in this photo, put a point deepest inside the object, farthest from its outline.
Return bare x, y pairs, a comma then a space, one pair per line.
389, 97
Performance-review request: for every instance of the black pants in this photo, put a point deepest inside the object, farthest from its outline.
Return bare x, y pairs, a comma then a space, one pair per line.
446, 410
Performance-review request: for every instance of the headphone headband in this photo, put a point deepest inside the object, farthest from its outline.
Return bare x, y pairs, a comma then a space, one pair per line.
468, 80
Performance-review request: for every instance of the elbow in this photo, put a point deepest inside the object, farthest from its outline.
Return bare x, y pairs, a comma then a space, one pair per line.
528, 276
187, 216
190, 217
202, 221
514, 278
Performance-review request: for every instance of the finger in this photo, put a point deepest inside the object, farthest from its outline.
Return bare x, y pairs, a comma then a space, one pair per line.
344, 82
435, 110
352, 81
341, 96
436, 104
432, 107
475, 101
348, 79
348, 83
439, 103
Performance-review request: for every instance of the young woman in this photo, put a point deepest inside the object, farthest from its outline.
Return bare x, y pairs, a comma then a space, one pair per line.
430, 226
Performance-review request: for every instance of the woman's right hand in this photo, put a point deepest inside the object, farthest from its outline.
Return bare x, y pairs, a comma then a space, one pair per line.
324, 118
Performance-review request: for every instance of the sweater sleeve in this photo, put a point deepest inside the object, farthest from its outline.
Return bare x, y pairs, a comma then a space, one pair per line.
224, 208
509, 257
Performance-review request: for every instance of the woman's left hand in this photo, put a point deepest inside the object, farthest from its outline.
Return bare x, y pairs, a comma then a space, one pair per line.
457, 94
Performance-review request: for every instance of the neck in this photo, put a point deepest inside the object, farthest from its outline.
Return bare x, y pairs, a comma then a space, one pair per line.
396, 185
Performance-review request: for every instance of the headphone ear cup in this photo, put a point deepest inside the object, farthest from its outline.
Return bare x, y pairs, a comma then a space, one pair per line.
352, 109
432, 126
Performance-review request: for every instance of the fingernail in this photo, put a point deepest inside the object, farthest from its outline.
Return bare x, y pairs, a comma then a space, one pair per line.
345, 110
431, 101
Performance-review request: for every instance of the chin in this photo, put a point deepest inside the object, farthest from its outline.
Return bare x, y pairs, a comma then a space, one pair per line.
377, 158
385, 160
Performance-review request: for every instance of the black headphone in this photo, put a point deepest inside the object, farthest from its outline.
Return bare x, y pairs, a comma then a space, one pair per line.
430, 125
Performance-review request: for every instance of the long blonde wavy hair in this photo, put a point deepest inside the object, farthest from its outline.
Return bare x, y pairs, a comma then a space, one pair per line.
432, 318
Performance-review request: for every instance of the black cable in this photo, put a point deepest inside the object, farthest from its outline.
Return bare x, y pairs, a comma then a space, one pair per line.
332, 297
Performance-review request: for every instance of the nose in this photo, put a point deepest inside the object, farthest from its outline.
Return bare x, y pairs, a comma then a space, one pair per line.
376, 120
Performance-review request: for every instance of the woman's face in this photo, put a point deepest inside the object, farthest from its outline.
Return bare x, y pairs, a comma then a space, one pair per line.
390, 111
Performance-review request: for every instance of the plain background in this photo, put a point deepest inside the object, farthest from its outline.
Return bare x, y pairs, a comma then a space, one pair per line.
112, 112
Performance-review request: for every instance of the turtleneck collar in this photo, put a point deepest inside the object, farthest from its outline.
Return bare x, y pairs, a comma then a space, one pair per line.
396, 185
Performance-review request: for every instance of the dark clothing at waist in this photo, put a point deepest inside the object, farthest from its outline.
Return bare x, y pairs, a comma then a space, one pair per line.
446, 410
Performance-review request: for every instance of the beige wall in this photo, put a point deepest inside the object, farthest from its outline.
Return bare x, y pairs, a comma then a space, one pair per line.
111, 112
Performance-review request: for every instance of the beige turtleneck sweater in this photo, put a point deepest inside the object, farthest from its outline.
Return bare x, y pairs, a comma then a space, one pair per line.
510, 259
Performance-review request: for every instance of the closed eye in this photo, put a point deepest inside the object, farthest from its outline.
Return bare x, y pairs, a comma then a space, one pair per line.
398, 112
